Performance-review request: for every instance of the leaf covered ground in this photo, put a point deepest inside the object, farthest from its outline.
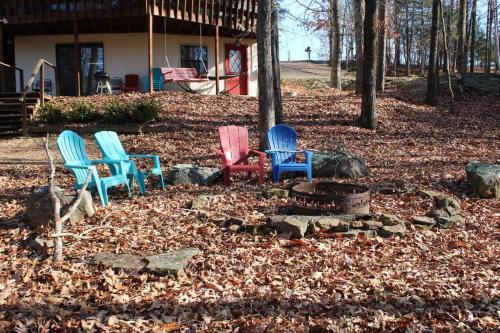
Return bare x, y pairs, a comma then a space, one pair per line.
432, 281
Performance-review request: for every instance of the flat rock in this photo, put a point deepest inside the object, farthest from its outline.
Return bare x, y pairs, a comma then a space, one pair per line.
276, 193
428, 194
233, 228
359, 233
170, 263
193, 174
448, 204
372, 225
423, 220
389, 219
327, 223
123, 261
392, 230
484, 179
199, 203
39, 206
338, 163
295, 225
356, 224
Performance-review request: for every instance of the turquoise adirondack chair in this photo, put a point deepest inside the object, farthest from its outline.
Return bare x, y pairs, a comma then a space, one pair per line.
283, 150
158, 80
111, 148
72, 149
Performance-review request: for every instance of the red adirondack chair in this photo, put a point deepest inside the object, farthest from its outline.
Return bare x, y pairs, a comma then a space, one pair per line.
234, 153
131, 83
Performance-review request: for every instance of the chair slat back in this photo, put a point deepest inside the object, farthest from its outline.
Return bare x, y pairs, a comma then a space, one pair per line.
110, 145
72, 149
283, 137
234, 143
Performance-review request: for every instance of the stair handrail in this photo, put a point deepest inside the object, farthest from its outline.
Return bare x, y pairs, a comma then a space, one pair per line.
40, 65
21, 74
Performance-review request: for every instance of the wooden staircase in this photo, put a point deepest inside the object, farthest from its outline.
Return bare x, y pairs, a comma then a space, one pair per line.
11, 111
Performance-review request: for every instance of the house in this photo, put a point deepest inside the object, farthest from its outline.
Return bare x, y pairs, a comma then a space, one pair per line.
120, 37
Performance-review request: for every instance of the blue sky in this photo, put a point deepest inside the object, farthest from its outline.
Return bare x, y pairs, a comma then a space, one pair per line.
294, 38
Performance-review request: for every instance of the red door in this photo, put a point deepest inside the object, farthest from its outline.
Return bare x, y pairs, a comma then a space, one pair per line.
236, 64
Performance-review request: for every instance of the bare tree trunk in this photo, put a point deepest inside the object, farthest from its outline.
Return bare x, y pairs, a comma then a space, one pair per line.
278, 104
382, 9
487, 55
368, 117
432, 96
461, 55
335, 52
473, 36
497, 47
265, 78
359, 10
452, 49
447, 55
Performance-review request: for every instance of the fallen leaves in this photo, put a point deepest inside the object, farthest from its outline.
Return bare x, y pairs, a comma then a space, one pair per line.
429, 280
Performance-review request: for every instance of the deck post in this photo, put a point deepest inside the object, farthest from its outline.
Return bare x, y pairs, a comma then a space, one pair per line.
42, 85
150, 51
217, 74
2, 78
77, 57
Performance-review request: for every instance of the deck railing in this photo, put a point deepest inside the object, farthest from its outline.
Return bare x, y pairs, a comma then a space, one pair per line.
39, 69
234, 14
17, 69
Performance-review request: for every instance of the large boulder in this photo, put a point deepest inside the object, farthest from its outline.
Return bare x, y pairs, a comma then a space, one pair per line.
484, 179
338, 163
192, 174
39, 206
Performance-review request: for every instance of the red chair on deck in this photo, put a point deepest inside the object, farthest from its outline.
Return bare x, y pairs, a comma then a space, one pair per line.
131, 83
234, 153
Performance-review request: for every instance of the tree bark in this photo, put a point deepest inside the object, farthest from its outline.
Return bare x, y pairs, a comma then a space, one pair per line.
382, 9
278, 104
487, 55
335, 52
432, 96
397, 40
495, 35
461, 55
447, 56
368, 118
359, 10
473, 36
265, 71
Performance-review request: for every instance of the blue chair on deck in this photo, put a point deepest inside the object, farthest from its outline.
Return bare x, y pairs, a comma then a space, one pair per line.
158, 80
112, 149
283, 150
72, 149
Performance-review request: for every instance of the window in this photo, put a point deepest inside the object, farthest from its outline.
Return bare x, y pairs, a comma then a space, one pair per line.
195, 56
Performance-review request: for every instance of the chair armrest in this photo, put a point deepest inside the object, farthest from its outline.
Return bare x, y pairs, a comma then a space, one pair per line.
78, 166
276, 151
225, 161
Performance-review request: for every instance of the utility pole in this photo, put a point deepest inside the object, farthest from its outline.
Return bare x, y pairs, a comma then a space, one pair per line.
288, 55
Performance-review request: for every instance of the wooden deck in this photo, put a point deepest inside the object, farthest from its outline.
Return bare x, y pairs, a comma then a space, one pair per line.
232, 14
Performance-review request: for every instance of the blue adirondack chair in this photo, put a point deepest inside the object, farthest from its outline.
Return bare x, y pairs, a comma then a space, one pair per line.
158, 80
72, 149
283, 150
112, 149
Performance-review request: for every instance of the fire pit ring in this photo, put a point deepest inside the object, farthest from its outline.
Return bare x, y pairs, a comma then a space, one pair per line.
327, 197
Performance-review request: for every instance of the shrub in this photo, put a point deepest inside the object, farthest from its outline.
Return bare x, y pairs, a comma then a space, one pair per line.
145, 111
51, 113
82, 112
116, 112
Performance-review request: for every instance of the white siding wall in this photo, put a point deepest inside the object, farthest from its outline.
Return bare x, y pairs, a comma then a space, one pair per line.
127, 54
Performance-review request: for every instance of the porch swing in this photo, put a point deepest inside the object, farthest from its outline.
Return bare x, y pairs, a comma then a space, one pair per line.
179, 75
183, 76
